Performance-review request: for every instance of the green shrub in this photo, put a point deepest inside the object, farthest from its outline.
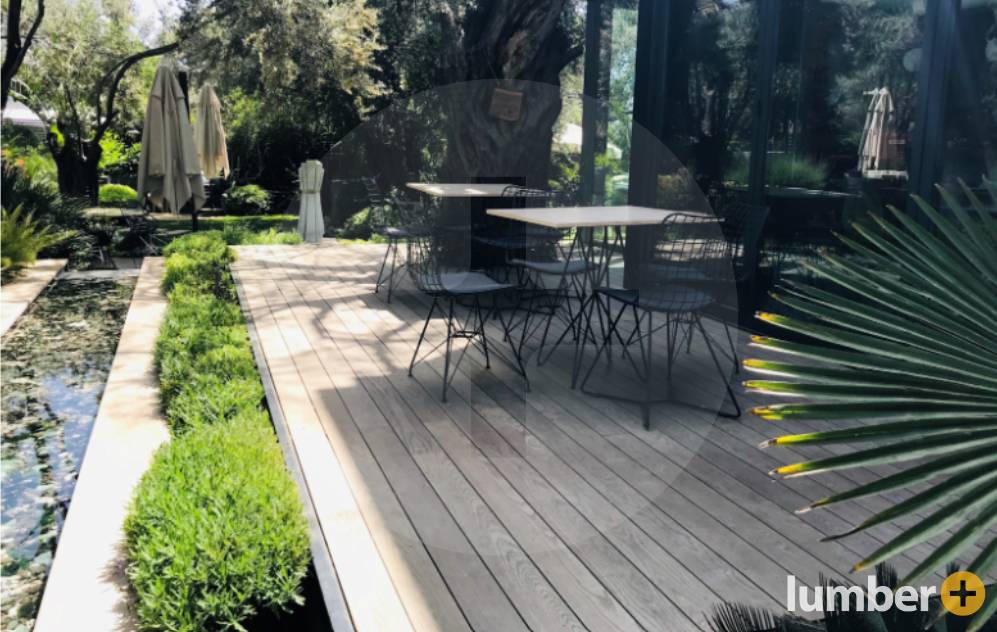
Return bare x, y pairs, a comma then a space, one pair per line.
783, 170
199, 275
244, 235
117, 196
246, 200
39, 197
215, 531
358, 226
210, 399
117, 158
22, 238
180, 354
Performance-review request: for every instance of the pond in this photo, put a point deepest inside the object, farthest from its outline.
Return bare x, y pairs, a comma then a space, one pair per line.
54, 366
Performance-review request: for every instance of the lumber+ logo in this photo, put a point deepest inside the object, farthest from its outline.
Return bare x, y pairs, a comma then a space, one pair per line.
962, 594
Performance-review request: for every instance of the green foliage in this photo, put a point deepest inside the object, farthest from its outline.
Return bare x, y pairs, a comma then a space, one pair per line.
247, 200
40, 198
215, 531
23, 147
22, 238
783, 170
913, 361
358, 226
116, 157
118, 196
83, 40
243, 235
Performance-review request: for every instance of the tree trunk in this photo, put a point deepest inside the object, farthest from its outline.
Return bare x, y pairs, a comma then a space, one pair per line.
77, 163
16, 48
514, 45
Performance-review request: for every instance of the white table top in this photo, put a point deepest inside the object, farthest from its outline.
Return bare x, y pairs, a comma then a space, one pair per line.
585, 216
458, 189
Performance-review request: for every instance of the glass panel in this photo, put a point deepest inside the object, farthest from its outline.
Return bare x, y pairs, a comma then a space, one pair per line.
711, 94
844, 99
970, 149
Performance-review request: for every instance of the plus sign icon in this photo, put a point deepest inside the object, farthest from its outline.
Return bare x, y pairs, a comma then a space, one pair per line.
963, 593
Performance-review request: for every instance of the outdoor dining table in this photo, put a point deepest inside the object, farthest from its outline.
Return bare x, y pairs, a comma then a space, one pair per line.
459, 190
585, 220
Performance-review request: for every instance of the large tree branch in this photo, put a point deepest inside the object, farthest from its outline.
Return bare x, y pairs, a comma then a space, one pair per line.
16, 47
119, 71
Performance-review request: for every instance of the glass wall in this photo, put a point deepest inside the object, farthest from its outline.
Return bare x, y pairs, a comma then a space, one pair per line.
970, 132
815, 108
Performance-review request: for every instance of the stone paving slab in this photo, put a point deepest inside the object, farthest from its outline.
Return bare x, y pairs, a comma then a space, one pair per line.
16, 296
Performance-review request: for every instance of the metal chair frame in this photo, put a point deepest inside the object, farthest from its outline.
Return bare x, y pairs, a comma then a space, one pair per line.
438, 265
542, 254
742, 225
689, 271
392, 234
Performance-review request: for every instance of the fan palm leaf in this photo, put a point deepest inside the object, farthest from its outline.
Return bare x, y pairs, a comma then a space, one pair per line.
909, 353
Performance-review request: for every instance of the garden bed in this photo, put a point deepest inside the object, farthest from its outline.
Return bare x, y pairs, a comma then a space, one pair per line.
216, 534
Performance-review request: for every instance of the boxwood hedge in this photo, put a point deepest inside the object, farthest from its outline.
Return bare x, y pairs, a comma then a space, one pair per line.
215, 531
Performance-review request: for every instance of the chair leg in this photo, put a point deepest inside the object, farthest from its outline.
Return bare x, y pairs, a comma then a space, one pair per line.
716, 362
380, 273
648, 372
733, 348
516, 352
393, 247
422, 336
446, 357
481, 327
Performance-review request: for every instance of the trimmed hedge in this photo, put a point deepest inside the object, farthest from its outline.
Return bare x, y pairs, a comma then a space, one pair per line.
117, 196
215, 531
247, 200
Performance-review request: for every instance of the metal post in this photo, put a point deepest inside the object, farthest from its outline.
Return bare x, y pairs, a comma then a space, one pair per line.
768, 44
649, 114
940, 26
593, 22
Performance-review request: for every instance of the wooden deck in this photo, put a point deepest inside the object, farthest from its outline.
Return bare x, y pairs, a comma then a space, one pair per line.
507, 510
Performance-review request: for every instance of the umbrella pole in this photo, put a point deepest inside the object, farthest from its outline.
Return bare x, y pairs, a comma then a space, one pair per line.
185, 88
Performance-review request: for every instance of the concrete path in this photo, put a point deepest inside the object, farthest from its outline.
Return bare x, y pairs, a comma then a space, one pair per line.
87, 588
18, 294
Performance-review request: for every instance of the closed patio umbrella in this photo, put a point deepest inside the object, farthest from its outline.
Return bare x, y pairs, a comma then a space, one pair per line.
875, 151
209, 137
168, 169
310, 223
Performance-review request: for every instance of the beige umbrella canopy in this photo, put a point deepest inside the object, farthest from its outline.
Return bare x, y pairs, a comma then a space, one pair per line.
209, 137
168, 168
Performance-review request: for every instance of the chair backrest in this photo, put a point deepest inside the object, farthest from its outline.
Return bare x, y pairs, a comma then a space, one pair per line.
538, 244
435, 250
742, 225
528, 198
378, 204
690, 260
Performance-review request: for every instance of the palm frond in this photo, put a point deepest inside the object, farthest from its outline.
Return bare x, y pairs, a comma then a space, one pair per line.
909, 354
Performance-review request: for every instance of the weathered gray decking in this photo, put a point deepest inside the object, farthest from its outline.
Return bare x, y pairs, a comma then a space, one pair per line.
507, 510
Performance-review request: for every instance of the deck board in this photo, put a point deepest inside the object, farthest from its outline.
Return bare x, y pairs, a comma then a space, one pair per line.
507, 510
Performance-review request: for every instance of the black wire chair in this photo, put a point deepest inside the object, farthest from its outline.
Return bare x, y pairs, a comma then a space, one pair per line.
688, 273
509, 237
550, 266
439, 257
742, 226
392, 234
